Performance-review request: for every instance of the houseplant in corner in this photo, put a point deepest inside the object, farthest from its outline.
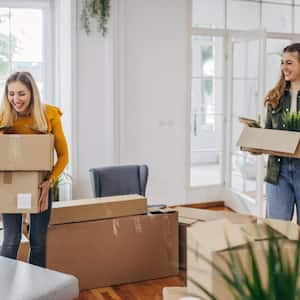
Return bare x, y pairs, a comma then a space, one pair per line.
98, 10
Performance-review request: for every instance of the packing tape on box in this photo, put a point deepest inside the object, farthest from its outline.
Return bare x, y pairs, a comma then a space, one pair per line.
116, 227
137, 224
7, 177
14, 145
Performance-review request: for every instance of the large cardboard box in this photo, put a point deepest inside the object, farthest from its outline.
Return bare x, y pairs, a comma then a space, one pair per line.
19, 191
188, 216
219, 239
177, 293
115, 251
26, 152
270, 141
97, 208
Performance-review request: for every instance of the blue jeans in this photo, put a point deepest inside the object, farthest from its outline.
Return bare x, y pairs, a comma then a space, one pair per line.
12, 224
282, 198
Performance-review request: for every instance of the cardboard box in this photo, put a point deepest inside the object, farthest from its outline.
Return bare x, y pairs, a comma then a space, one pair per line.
188, 216
177, 293
23, 249
19, 191
210, 239
97, 208
269, 141
115, 251
26, 152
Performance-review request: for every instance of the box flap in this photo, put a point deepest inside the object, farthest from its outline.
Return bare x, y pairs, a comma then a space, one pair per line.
217, 235
286, 228
198, 214
269, 139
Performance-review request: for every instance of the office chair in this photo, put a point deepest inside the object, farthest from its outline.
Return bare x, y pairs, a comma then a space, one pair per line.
120, 180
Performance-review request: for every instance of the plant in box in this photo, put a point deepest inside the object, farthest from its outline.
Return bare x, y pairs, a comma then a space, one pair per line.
281, 280
291, 121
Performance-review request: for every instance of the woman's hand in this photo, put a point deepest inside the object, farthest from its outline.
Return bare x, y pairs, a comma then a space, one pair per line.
43, 201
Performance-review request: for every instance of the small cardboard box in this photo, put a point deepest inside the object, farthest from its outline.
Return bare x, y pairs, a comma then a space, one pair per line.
115, 251
188, 216
219, 239
26, 152
177, 293
270, 141
19, 191
97, 208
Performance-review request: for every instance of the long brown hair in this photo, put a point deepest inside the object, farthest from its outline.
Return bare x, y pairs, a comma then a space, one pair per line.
273, 96
9, 115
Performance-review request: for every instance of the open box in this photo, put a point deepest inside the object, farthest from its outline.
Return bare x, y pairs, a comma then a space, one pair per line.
270, 141
219, 239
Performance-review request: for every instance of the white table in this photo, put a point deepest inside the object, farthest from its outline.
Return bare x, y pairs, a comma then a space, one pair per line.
23, 281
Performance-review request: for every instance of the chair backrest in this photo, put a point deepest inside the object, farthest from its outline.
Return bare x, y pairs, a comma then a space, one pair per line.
119, 180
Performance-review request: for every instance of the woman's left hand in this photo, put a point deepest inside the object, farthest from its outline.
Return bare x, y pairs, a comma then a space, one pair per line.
43, 201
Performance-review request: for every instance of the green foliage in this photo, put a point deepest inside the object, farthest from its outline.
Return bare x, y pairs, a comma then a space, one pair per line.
282, 274
291, 121
64, 178
98, 10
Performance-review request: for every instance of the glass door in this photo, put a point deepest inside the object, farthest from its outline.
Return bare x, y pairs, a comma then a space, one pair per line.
245, 91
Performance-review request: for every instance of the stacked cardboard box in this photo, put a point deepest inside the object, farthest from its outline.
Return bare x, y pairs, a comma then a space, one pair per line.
24, 162
112, 240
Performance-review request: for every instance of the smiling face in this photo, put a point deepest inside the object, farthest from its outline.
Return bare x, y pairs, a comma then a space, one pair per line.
19, 96
290, 66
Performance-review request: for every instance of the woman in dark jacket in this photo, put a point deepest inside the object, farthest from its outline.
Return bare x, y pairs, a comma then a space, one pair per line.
283, 174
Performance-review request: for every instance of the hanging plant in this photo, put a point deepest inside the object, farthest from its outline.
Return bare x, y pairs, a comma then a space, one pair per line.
98, 10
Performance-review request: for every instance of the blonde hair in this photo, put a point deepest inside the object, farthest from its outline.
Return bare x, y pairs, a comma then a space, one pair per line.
8, 115
273, 96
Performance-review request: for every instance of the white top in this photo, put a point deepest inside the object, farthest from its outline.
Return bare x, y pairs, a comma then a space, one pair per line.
294, 101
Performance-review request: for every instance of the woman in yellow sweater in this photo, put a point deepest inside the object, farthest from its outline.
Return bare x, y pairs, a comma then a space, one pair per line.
21, 112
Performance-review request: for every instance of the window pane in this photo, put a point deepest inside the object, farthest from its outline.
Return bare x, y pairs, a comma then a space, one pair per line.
209, 14
246, 59
5, 46
296, 18
274, 50
21, 44
277, 18
242, 15
207, 56
245, 98
208, 173
27, 28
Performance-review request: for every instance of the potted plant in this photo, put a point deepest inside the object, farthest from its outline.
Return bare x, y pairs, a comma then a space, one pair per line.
280, 283
98, 10
291, 121
64, 178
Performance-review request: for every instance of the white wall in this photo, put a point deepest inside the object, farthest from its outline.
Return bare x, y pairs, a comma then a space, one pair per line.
153, 60
94, 125
154, 103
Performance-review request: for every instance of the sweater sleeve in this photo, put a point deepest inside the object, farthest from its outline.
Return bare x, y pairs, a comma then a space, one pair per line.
60, 144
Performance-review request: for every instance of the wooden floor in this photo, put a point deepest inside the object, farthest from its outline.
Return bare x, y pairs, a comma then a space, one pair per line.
146, 290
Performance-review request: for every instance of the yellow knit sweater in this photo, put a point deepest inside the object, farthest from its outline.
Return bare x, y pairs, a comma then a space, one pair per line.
23, 125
